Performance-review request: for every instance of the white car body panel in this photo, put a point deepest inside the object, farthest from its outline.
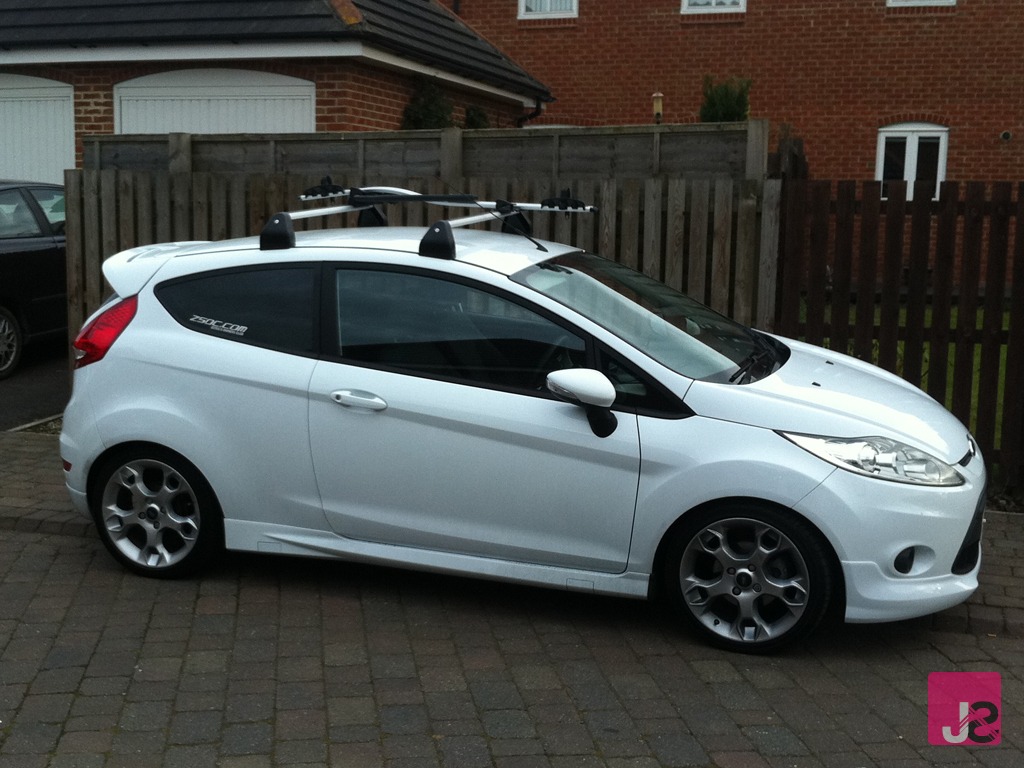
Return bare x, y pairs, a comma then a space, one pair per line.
456, 468
261, 466
823, 393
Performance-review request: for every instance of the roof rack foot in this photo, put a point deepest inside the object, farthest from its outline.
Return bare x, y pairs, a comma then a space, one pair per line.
439, 242
278, 234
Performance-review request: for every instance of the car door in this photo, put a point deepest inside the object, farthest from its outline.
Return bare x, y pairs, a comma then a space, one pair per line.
431, 428
32, 268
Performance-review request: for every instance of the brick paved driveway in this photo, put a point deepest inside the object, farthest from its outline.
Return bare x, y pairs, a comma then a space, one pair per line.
282, 662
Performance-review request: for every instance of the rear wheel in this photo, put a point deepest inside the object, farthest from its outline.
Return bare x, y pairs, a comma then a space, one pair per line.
155, 512
748, 577
11, 342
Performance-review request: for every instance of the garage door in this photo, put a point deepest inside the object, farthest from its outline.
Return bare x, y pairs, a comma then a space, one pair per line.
215, 101
37, 123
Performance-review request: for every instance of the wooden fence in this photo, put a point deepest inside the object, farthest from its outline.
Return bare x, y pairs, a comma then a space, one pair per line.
930, 289
736, 150
704, 236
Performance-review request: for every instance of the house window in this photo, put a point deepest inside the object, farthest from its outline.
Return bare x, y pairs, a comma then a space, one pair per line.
905, 3
714, 6
912, 152
548, 9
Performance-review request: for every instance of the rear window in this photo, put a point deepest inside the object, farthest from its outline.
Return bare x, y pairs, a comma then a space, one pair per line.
273, 307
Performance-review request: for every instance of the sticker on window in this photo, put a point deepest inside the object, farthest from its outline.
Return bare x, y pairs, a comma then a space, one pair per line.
219, 325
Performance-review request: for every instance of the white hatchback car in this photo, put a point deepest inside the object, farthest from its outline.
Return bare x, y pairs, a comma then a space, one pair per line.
480, 403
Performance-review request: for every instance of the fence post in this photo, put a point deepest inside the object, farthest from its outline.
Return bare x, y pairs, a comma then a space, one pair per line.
768, 261
1013, 405
757, 150
179, 152
451, 155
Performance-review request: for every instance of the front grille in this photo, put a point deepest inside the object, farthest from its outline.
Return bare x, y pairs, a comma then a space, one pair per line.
970, 550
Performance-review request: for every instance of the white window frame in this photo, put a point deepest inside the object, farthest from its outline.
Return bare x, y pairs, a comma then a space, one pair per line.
716, 6
911, 3
913, 133
569, 13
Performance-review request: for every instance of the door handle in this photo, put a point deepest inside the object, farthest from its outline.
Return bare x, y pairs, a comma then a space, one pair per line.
354, 398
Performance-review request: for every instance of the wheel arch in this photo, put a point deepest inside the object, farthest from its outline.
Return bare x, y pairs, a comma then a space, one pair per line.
656, 585
187, 554
131, 446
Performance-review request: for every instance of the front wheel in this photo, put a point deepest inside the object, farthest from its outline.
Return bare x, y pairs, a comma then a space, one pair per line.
11, 342
750, 578
155, 513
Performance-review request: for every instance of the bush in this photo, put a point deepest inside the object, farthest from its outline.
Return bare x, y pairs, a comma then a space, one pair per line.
427, 108
725, 102
476, 118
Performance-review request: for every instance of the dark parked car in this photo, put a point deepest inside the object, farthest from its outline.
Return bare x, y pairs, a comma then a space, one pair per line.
33, 289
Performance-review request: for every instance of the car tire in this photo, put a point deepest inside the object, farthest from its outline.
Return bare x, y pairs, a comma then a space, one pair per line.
11, 342
749, 577
155, 512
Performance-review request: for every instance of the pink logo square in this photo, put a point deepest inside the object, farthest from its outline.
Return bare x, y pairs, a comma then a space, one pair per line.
964, 708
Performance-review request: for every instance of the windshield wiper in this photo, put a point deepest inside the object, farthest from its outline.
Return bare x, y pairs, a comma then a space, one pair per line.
762, 353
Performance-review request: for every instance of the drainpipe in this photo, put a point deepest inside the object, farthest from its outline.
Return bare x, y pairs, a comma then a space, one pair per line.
537, 111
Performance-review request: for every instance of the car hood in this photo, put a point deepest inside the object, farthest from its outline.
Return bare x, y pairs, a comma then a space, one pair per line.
818, 392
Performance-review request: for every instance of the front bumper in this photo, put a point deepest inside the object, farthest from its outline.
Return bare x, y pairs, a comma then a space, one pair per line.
871, 523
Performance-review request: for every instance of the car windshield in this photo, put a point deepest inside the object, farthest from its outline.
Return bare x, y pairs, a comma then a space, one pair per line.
677, 331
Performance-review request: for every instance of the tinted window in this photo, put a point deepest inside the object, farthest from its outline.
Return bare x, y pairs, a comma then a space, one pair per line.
16, 218
437, 327
269, 307
668, 326
51, 201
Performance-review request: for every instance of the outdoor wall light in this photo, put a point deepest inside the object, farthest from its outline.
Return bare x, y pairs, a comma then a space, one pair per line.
658, 104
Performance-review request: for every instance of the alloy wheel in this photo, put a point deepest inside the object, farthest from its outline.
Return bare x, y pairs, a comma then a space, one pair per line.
150, 514
744, 580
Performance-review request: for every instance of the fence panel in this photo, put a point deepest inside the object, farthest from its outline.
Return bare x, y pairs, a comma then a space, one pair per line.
928, 289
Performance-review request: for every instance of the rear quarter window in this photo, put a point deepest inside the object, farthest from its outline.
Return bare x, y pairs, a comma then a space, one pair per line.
272, 307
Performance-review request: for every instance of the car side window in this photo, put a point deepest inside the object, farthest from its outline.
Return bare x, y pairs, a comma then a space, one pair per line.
52, 203
273, 307
16, 218
635, 390
443, 328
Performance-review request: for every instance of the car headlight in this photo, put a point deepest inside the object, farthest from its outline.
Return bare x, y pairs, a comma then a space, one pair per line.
880, 457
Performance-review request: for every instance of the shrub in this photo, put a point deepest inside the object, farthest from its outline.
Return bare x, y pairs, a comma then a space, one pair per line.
725, 102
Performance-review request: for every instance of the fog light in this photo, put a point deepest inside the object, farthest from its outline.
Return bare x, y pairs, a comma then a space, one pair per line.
904, 561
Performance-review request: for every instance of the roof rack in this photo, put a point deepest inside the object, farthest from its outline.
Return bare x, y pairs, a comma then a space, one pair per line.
438, 242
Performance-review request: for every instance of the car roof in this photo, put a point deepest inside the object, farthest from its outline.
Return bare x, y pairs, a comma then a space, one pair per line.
495, 251
6, 183
504, 254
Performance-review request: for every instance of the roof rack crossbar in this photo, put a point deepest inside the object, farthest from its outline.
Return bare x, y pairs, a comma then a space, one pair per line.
280, 234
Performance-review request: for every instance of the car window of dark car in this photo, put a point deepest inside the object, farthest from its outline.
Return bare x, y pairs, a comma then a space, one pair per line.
273, 307
16, 218
51, 201
448, 329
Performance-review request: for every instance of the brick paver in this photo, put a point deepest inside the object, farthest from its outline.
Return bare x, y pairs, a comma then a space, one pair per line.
285, 662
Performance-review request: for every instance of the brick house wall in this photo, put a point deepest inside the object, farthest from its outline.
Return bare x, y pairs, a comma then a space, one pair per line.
831, 72
350, 96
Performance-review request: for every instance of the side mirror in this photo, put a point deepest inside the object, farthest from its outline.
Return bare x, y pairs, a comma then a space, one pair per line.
591, 390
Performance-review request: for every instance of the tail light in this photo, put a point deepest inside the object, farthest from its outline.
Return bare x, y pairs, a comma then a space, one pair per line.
99, 336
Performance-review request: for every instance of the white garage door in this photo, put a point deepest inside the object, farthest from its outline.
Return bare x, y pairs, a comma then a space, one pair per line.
37, 128
215, 101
